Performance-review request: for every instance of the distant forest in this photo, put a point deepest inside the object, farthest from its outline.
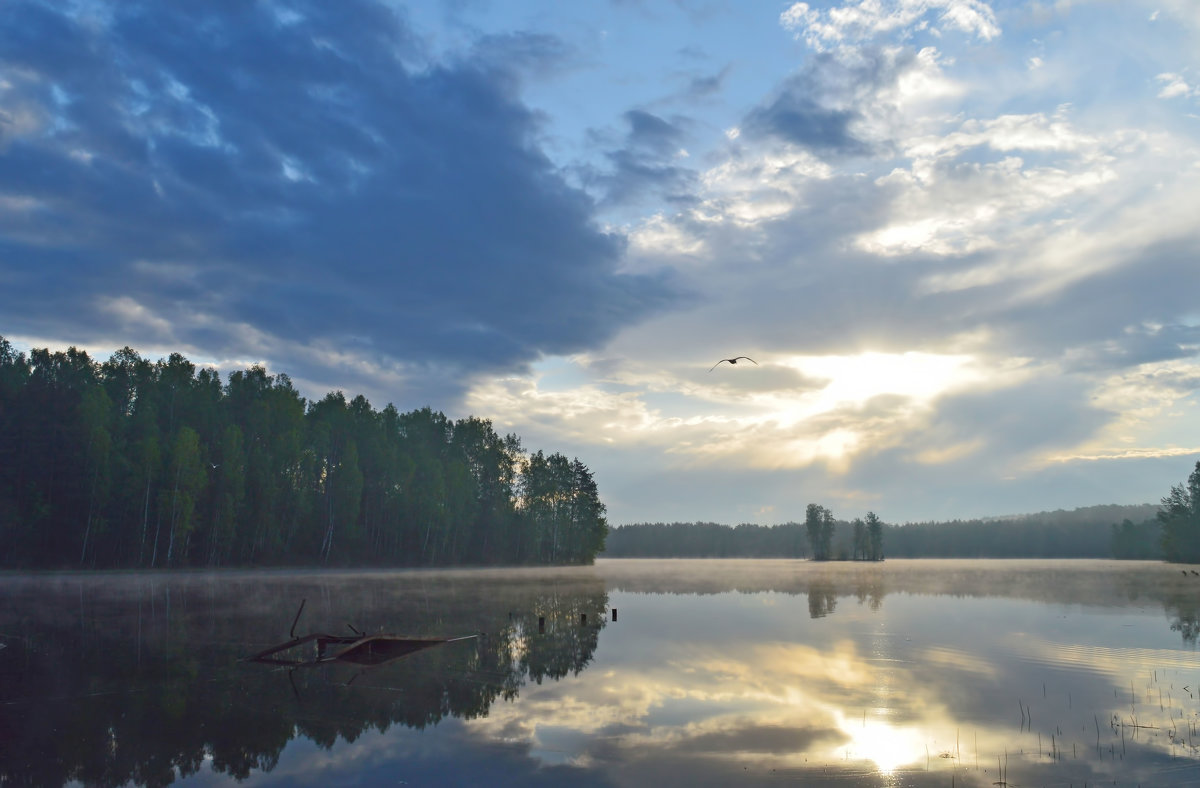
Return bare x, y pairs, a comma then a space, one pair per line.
1091, 532
131, 463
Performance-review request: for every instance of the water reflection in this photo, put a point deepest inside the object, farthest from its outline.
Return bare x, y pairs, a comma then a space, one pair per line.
822, 599
137, 679
905, 673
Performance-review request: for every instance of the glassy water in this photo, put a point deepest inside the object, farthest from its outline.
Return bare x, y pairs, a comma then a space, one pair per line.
905, 673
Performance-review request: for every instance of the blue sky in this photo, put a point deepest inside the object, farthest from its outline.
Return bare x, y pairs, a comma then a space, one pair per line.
959, 237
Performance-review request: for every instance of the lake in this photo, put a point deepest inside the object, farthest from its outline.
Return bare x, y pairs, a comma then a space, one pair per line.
628, 673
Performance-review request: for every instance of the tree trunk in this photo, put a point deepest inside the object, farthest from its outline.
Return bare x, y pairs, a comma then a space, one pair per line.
145, 519
91, 514
327, 543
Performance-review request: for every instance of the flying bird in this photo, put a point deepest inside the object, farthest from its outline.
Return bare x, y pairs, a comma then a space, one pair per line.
733, 360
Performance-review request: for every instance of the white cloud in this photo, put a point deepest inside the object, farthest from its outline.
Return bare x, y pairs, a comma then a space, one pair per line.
1155, 413
854, 22
585, 413
134, 317
854, 404
973, 207
1175, 86
658, 238
949, 202
1030, 132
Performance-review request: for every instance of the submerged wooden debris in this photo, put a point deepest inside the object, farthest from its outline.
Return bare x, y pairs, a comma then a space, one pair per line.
358, 649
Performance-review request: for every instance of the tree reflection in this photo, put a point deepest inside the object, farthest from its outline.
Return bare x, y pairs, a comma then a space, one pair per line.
111, 685
1184, 611
822, 598
869, 590
137, 679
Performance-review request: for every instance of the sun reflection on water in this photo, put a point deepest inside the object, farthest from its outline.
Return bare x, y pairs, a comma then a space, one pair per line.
889, 747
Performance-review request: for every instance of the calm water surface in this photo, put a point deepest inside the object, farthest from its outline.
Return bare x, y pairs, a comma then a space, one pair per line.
905, 673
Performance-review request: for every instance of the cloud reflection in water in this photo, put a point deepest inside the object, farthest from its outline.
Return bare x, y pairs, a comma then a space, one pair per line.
725, 685
913, 673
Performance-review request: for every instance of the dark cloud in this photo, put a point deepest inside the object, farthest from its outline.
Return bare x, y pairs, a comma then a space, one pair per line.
799, 119
1121, 317
818, 107
652, 132
645, 163
701, 87
1042, 414
302, 180
527, 54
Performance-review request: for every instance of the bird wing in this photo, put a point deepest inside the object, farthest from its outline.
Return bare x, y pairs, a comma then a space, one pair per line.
714, 366
752, 361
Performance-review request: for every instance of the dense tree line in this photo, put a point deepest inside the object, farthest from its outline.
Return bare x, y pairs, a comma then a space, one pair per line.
1137, 541
133, 463
706, 540
819, 536
1089, 532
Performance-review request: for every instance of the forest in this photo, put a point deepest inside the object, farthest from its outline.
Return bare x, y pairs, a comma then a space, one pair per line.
129, 463
1089, 532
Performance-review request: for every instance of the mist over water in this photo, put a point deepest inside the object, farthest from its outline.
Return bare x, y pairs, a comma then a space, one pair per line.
631, 672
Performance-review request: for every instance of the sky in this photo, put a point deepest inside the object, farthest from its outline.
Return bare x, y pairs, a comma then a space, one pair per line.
959, 238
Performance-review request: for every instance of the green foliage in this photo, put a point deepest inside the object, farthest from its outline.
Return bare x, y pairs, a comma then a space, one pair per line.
129, 463
558, 498
1139, 541
818, 524
705, 540
874, 537
1180, 520
860, 538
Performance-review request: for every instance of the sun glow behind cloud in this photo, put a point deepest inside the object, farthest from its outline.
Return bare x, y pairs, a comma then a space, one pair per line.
854, 402
858, 378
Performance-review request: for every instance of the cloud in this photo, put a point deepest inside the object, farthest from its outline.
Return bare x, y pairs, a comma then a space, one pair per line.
1175, 86
647, 165
786, 413
652, 133
799, 119
306, 174
700, 87
957, 197
854, 22
856, 101
879, 203
823, 107
523, 54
